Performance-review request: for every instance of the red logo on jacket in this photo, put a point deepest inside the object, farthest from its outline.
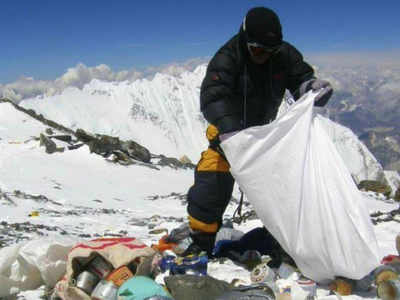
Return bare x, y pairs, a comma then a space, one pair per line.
278, 76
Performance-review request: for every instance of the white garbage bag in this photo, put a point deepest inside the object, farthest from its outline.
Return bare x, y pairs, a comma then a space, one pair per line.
28, 265
302, 191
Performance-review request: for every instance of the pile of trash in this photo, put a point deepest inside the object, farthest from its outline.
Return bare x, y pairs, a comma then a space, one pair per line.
126, 269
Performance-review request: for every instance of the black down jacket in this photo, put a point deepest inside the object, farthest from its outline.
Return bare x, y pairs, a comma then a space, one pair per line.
231, 72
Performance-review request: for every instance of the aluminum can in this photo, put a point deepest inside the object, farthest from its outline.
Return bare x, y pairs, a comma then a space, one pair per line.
389, 289
105, 290
183, 245
308, 286
86, 281
100, 267
262, 273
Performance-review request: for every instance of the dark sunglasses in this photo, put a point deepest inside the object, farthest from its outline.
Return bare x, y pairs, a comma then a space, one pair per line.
258, 49
158, 298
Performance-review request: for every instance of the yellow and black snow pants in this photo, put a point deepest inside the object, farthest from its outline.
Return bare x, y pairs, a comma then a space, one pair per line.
212, 189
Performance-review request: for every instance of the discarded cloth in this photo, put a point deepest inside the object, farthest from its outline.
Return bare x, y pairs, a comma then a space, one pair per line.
257, 239
141, 288
28, 265
184, 287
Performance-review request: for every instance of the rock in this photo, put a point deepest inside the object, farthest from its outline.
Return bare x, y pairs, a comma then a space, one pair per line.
64, 138
393, 180
136, 151
397, 195
49, 131
384, 143
174, 163
121, 158
83, 136
76, 146
375, 186
158, 231
51, 147
105, 145
185, 160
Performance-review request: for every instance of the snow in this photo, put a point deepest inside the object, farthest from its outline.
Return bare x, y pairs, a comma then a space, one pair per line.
393, 178
81, 188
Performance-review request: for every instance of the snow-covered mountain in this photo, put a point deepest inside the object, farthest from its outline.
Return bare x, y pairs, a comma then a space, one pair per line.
367, 100
366, 97
163, 115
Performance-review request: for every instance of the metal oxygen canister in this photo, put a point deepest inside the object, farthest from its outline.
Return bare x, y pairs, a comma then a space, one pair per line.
100, 267
105, 290
86, 281
183, 245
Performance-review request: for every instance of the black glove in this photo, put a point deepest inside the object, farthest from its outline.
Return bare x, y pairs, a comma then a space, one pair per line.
324, 87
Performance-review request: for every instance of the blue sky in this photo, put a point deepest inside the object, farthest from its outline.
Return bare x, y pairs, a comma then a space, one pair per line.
42, 39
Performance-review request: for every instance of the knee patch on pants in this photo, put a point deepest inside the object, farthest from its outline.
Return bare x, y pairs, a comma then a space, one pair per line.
212, 161
198, 225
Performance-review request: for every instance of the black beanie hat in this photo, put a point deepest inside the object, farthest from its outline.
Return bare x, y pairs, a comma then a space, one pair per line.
262, 25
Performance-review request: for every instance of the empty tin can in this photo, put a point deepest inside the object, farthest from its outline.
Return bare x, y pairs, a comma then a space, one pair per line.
86, 281
105, 290
262, 273
183, 245
100, 267
308, 286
